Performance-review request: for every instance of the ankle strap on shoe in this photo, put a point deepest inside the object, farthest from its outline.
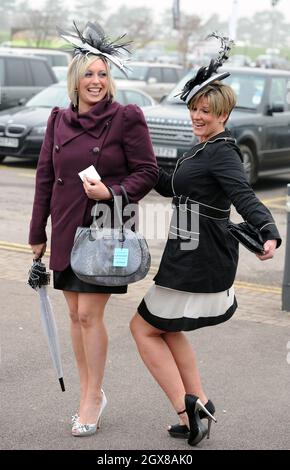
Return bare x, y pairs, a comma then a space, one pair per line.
181, 412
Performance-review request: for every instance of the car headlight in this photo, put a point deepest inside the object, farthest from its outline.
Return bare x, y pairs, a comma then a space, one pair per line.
38, 130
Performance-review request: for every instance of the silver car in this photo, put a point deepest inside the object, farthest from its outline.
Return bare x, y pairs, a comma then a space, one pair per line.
155, 78
22, 128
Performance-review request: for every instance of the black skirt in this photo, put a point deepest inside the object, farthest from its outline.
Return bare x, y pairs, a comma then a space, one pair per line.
67, 280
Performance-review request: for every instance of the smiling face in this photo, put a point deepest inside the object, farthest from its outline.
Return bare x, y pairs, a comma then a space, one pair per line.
210, 109
93, 85
206, 124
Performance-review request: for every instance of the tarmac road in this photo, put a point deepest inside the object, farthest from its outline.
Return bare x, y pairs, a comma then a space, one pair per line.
245, 362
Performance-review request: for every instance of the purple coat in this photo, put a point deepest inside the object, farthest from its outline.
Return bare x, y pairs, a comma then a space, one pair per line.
113, 138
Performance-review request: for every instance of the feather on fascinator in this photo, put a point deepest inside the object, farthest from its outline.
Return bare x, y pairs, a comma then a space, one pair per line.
93, 40
208, 74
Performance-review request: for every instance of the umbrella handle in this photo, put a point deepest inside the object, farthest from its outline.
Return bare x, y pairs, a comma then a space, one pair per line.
61, 384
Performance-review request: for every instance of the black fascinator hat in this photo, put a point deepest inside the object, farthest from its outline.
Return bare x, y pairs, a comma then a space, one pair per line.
93, 40
208, 74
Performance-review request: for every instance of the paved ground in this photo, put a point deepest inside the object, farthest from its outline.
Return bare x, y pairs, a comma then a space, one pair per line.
243, 362
243, 365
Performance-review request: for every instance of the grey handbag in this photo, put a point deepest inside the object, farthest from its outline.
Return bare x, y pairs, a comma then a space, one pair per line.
110, 256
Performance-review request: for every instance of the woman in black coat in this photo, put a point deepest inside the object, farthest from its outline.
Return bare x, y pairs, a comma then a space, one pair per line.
194, 284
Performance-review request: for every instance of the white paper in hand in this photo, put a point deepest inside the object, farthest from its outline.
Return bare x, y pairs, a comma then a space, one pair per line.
90, 172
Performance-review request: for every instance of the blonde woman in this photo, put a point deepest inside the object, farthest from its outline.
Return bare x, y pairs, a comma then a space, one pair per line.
94, 130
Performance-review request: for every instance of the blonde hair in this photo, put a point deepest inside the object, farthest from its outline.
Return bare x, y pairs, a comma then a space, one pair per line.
221, 98
76, 71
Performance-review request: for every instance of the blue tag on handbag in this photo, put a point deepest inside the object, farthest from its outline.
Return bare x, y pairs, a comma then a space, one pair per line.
120, 257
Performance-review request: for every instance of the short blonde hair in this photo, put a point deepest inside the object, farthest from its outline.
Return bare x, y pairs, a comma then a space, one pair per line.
76, 71
221, 98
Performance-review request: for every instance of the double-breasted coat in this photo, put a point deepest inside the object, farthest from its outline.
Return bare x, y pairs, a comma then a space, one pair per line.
205, 182
113, 138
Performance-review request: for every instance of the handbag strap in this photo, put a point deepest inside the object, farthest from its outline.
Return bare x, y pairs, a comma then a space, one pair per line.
116, 208
124, 192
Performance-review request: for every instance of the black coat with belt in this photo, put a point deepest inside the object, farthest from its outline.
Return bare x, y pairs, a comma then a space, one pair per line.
200, 255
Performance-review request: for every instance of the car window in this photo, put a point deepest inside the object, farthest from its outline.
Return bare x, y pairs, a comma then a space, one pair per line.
48, 58
136, 72
248, 88
50, 97
116, 73
288, 93
180, 73
40, 73
53, 59
173, 96
278, 90
60, 72
134, 97
120, 98
17, 73
155, 72
170, 75
60, 60
2, 72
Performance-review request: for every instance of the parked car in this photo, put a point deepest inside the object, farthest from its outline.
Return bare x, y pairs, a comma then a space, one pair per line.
240, 60
272, 61
60, 72
260, 122
54, 57
21, 77
155, 78
128, 94
22, 128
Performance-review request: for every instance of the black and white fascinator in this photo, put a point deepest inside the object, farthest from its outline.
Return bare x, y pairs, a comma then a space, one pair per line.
208, 74
93, 40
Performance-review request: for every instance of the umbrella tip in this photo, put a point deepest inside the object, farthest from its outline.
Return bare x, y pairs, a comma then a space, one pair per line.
61, 384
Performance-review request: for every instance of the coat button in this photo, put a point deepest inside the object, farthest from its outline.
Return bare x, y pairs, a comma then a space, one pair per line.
96, 150
56, 147
60, 181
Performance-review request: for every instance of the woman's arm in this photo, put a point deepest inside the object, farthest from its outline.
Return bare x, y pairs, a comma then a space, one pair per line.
141, 161
164, 184
226, 167
43, 186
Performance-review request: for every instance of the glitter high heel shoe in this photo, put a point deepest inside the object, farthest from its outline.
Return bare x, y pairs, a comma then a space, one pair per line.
76, 416
79, 429
74, 419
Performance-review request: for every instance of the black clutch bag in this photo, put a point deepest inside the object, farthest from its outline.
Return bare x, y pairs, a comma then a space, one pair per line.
248, 236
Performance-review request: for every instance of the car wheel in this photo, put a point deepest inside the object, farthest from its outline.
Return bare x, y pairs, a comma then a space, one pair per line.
250, 164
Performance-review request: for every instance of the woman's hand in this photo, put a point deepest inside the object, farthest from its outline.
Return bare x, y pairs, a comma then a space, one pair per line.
269, 250
95, 189
38, 250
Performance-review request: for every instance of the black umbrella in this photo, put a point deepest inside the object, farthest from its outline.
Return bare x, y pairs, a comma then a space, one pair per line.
38, 279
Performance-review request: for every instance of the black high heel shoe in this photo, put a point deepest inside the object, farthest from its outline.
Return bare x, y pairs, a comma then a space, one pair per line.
197, 430
181, 431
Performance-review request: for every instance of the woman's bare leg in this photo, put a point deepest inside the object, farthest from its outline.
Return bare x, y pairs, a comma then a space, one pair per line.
95, 343
185, 360
77, 343
158, 358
